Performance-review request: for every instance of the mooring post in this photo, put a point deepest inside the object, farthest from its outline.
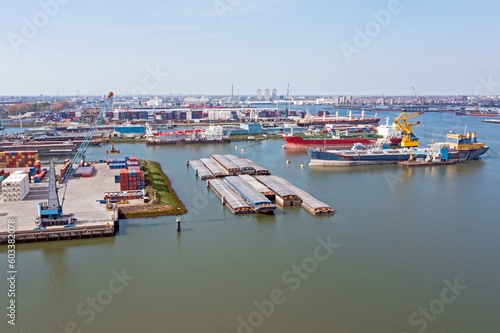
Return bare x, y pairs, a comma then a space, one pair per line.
178, 222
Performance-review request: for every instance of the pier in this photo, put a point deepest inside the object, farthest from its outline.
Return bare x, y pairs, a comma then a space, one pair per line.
201, 170
231, 199
216, 170
92, 218
256, 200
60, 233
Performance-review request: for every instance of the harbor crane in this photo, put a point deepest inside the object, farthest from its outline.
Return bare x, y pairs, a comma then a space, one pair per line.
409, 138
51, 212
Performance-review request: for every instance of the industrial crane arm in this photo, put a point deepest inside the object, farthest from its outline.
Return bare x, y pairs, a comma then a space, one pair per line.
406, 127
83, 147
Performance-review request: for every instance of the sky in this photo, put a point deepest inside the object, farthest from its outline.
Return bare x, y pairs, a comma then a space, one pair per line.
202, 47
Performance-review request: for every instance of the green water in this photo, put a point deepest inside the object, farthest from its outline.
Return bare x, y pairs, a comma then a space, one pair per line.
398, 234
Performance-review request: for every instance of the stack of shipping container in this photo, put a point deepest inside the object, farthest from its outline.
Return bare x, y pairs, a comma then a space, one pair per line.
65, 167
16, 187
132, 178
119, 163
36, 173
18, 159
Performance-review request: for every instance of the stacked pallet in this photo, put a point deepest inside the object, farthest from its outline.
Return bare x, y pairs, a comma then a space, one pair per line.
16, 187
18, 159
131, 179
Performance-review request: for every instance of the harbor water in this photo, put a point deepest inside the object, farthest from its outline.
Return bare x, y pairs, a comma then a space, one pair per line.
408, 250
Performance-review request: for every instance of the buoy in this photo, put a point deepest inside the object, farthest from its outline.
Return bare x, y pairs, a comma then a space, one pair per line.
287, 162
178, 222
236, 147
242, 150
302, 165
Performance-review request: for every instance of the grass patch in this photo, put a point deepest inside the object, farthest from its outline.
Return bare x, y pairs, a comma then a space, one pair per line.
135, 140
167, 202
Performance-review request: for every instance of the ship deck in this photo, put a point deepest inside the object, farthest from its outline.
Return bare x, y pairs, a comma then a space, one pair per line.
215, 169
201, 170
254, 198
229, 197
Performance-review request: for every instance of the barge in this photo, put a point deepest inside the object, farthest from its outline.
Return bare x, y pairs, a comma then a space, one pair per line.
231, 199
213, 134
256, 200
215, 169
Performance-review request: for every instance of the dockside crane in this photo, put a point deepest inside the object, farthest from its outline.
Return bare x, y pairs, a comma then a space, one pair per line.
409, 138
51, 212
2, 128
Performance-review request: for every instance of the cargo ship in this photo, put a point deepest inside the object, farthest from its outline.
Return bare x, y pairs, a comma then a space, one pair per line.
213, 134
479, 112
311, 120
45, 150
365, 135
457, 148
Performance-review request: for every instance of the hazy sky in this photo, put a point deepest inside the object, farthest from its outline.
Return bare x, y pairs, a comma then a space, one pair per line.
318, 46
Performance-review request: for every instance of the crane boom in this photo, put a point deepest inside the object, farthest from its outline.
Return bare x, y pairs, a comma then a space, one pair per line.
83, 147
409, 137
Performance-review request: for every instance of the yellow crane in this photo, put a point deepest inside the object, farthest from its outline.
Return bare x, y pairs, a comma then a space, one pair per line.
409, 137
113, 150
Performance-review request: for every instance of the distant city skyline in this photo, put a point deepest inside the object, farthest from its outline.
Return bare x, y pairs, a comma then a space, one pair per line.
322, 48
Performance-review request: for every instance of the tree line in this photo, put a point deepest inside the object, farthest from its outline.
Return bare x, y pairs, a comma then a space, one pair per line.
36, 107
